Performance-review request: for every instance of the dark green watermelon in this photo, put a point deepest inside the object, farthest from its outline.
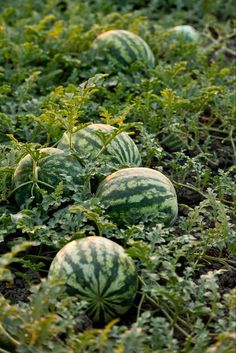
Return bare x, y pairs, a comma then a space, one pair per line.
52, 167
140, 194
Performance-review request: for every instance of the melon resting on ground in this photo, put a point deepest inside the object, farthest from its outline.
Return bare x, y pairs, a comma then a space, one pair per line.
97, 270
122, 48
88, 142
32, 177
139, 194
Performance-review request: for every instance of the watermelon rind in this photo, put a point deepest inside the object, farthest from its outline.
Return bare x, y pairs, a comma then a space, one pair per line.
122, 48
132, 195
87, 143
52, 167
186, 33
97, 270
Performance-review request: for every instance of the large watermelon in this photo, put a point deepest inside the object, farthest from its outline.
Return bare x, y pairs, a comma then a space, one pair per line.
139, 194
53, 166
99, 271
122, 48
87, 142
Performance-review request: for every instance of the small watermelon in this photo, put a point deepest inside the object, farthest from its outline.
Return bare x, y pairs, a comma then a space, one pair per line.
186, 33
139, 194
53, 166
122, 48
87, 142
99, 271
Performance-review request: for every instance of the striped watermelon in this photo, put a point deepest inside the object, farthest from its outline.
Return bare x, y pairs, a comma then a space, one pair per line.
139, 194
99, 271
186, 33
52, 167
122, 48
87, 143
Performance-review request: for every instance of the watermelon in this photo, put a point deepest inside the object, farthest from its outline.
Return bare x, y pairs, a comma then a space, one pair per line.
122, 48
87, 142
137, 194
53, 166
186, 33
99, 271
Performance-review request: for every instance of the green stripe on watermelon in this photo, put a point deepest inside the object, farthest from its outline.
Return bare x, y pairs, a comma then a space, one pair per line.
124, 41
122, 147
88, 143
128, 39
52, 167
132, 195
123, 47
99, 271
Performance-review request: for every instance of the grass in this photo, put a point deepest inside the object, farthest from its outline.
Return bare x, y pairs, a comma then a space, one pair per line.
180, 114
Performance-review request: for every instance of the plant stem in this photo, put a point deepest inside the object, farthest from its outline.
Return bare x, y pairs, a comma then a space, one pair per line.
140, 305
167, 315
7, 339
46, 184
20, 186
218, 45
4, 351
39, 257
233, 144
217, 259
191, 188
183, 322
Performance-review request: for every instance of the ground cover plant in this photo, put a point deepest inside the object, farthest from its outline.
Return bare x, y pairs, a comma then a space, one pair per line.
175, 116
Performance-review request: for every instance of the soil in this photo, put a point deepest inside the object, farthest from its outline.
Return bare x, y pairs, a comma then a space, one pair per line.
19, 290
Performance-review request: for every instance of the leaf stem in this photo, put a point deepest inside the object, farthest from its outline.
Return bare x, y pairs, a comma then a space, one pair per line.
140, 305
191, 188
4, 351
39, 257
232, 143
165, 312
217, 259
7, 339
20, 186
168, 316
